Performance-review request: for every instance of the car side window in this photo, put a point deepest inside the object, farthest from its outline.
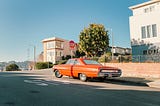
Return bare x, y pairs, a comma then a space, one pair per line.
71, 62
76, 62
68, 62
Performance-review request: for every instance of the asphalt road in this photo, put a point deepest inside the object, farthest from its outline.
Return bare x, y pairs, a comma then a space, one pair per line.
40, 89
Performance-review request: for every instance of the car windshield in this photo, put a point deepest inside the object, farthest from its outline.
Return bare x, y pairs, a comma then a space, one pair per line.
91, 62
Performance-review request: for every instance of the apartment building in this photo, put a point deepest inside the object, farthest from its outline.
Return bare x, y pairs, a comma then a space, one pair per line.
54, 48
145, 31
120, 50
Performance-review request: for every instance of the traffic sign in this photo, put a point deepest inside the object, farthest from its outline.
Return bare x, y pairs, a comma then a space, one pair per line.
71, 44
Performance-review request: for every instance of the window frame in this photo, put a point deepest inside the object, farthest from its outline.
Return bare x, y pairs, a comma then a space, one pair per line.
143, 32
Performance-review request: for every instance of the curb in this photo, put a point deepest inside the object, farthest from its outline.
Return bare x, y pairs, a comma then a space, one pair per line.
155, 84
126, 82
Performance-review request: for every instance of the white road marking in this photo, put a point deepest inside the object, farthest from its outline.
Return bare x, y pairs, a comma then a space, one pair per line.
42, 84
66, 82
53, 83
31, 81
37, 82
62, 81
46, 83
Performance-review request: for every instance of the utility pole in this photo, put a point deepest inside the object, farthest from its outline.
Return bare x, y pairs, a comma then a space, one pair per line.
34, 56
111, 33
112, 44
28, 58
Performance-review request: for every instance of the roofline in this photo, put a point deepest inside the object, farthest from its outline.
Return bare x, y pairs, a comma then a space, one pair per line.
53, 39
119, 47
143, 4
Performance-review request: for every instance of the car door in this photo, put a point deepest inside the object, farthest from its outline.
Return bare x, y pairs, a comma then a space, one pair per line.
67, 68
75, 69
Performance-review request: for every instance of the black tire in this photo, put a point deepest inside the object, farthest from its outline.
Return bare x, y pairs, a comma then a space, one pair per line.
83, 77
102, 79
58, 74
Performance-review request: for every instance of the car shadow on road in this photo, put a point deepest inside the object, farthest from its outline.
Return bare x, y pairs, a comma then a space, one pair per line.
132, 81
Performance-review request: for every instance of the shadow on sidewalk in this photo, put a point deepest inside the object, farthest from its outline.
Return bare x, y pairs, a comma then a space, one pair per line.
133, 81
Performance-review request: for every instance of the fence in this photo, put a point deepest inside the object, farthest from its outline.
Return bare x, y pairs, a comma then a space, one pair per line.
129, 58
146, 58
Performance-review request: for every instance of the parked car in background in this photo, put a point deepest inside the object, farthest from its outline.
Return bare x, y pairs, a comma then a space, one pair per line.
83, 69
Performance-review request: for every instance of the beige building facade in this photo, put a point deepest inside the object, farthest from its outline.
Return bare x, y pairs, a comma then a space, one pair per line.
54, 48
145, 30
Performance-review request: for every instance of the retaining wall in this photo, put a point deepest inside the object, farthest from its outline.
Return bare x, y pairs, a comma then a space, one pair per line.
151, 70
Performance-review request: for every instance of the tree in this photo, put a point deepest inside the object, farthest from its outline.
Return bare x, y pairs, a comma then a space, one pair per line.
93, 40
79, 54
12, 67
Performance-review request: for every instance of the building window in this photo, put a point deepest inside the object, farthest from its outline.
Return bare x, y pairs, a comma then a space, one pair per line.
146, 10
152, 8
143, 31
50, 55
148, 31
154, 30
149, 9
60, 53
59, 44
56, 53
50, 45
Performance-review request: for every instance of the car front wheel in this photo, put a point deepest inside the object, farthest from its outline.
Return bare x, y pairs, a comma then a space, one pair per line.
83, 77
58, 74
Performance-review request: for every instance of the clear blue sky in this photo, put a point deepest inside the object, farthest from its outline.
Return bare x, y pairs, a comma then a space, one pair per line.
24, 23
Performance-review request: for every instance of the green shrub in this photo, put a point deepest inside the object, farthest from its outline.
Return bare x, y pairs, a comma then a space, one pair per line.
105, 58
43, 65
12, 67
126, 58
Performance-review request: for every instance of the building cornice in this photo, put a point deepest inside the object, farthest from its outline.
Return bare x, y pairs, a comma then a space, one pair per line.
143, 4
53, 39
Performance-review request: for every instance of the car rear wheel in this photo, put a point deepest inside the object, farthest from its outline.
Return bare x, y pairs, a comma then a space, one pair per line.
58, 74
83, 77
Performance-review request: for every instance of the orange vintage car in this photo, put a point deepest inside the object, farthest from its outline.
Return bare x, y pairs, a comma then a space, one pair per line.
85, 68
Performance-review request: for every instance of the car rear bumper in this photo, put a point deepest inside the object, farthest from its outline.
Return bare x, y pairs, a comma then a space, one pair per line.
109, 74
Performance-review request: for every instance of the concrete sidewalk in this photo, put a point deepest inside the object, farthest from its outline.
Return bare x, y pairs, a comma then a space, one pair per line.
150, 82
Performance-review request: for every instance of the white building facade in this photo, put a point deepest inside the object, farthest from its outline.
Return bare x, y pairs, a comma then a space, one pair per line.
145, 31
54, 48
